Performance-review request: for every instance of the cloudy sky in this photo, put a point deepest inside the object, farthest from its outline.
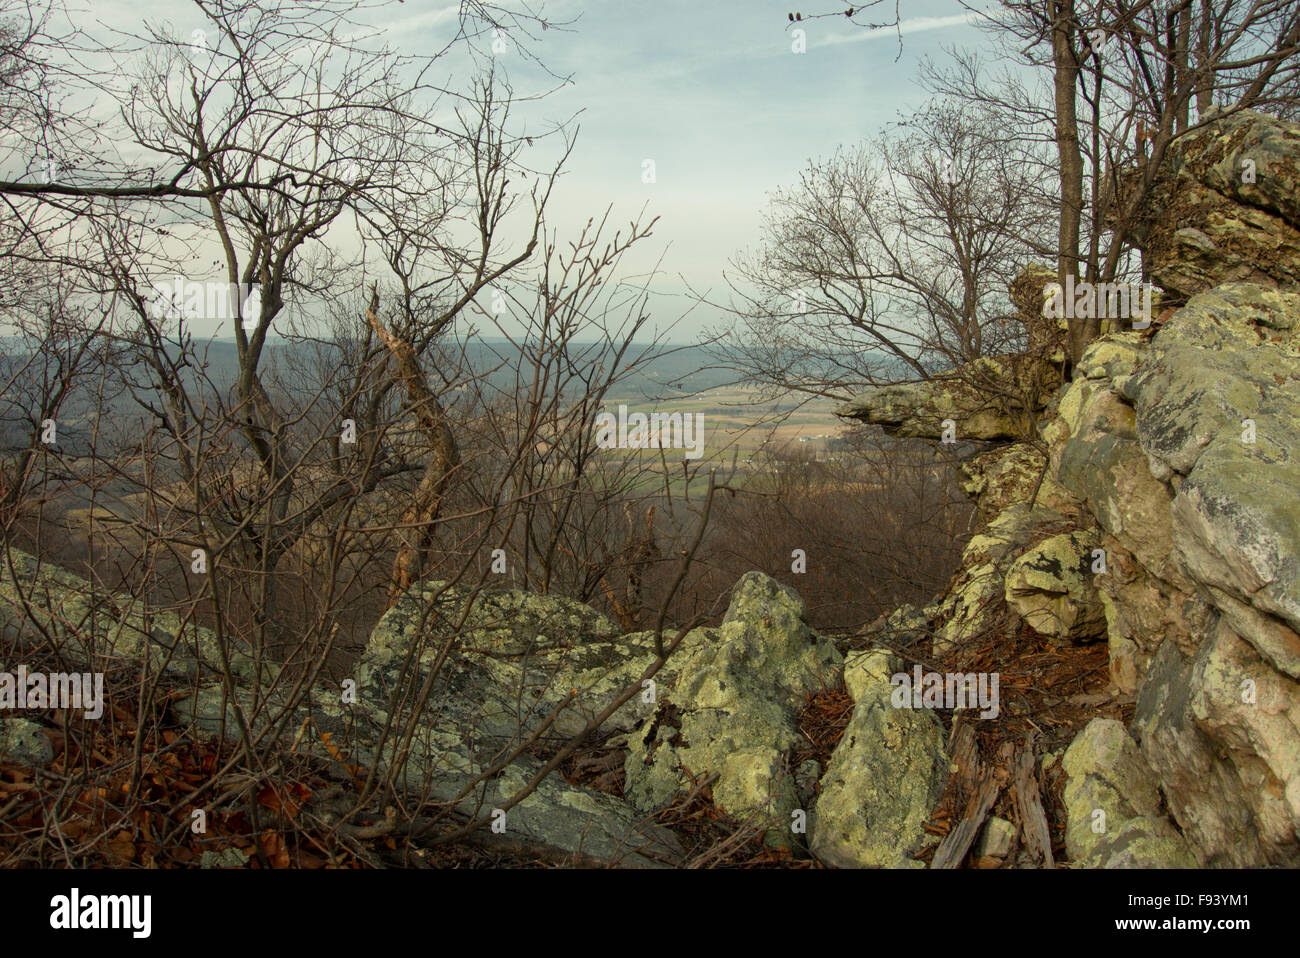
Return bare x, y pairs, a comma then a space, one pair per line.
711, 91
713, 94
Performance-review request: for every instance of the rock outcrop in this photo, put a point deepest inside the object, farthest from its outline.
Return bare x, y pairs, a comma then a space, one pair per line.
1180, 453
523, 656
1154, 506
1224, 208
1114, 818
968, 400
883, 779
512, 667
1203, 539
731, 710
1148, 503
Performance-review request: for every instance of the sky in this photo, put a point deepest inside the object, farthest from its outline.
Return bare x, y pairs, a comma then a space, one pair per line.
713, 93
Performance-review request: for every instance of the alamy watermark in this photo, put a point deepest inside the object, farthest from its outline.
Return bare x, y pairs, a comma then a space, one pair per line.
212, 300
53, 690
655, 430
75, 911
1098, 301
951, 690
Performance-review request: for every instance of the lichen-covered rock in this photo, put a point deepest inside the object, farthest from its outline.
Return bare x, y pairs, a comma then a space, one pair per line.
1046, 337
863, 667
882, 782
516, 658
1103, 464
523, 654
1174, 451
230, 857
24, 742
1052, 587
1095, 452
1219, 730
1002, 476
1113, 816
995, 838
732, 709
578, 820
1217, 157
1113, 358
95, 627
1218, 407
498, 621
1223, 209
443, 765
975, 602
975, 398
1143, 610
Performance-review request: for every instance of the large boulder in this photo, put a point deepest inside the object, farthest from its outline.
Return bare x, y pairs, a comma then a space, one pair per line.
1113, 815
1102, 463
883, 780
1166, 516
1095, 453
511, 658
1142, 611
1052, 586
99, 628
1224, 210
1219, 731
732, 709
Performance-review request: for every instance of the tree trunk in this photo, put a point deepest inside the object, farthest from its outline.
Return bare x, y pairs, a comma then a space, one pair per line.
1066, 76
415, 535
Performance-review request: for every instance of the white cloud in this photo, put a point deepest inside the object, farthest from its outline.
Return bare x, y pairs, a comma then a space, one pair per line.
905, 27
422, 21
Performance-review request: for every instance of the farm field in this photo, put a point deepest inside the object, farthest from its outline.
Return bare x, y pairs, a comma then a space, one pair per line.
738, 428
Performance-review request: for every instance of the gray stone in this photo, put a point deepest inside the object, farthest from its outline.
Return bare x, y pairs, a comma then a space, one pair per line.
995, 839
1231, 355
1226, 764
226, 858
1207, 223
975, 398
1113, 816
516, 659
881, 784
41, 599
1052, 587
444, 767
25, 742
731, 711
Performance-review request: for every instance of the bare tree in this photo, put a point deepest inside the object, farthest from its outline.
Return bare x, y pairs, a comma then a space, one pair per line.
892, 262
1127, 79
265, 495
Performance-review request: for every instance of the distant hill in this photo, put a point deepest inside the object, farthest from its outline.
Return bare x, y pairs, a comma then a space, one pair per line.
682, 371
